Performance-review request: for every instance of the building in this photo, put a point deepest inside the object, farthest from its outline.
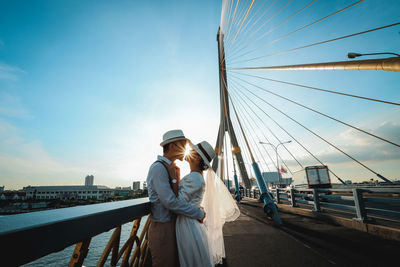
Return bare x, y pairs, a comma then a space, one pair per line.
122, 191
144, 186
12, 195
89, 179
68, 192
1, 188
271, 177
136, 186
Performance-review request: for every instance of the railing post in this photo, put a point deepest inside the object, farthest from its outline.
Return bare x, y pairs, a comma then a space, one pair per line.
292, 197
80, 252
359, 204
316, 200
277, 196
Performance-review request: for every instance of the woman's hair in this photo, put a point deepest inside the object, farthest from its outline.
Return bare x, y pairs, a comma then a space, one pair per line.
202, 165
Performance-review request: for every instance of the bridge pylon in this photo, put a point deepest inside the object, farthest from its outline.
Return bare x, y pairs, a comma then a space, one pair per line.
225, 123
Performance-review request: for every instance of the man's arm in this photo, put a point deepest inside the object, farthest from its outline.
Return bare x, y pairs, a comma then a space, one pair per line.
161, 185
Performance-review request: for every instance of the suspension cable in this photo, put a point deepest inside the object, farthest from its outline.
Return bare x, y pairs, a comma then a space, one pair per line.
265, 125
261, 16
248, 113
276, 26
241, 24
250, 134
252, 17
302, 28
237, 101
319, 43
289, 134
243, 100
314, 133
318, 89
320, 113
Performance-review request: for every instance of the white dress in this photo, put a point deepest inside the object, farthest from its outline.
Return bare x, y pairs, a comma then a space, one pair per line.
191, 235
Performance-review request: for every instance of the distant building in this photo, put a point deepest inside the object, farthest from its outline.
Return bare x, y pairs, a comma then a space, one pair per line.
271, 177
1, 188
122, 191
144, 186
68, 192
89, 179
12, 195
136, 185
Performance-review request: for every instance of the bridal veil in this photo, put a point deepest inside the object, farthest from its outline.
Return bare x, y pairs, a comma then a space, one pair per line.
220, 207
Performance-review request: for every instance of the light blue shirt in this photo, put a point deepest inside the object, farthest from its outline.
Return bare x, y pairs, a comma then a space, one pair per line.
163, 200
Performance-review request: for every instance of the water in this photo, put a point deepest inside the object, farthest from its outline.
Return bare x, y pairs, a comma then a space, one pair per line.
96, 248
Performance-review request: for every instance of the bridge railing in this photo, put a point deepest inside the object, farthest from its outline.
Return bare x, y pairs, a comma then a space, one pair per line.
364, 204
30, 236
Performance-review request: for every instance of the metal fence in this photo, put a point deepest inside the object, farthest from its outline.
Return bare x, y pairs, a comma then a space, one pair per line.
29, 236
363, 203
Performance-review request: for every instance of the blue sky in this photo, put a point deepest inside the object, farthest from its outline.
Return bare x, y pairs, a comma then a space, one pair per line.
89, 87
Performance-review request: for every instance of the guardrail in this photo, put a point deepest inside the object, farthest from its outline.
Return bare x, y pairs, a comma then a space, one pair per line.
364, 203
29, 236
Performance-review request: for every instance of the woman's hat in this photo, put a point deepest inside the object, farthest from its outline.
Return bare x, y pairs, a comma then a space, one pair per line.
173, 136
206, 151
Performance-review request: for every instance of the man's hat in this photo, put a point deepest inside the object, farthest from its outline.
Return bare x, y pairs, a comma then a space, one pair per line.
206, 151
172, 136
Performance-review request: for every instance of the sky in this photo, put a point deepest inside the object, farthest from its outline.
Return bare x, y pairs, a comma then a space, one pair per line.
89, 87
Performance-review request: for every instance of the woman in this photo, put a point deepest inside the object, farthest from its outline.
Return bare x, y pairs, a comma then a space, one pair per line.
202, 244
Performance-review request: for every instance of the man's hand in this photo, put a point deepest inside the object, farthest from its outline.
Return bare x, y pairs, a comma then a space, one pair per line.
202, 220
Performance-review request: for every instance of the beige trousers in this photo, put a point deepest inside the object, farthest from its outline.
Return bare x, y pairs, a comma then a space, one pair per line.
162, 243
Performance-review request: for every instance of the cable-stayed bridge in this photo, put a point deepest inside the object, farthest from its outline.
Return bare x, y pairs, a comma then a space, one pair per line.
288, 105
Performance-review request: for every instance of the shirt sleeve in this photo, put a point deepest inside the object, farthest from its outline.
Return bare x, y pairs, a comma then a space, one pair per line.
160, 183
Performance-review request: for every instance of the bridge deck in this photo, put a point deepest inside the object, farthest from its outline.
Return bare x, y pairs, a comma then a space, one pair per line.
253, 240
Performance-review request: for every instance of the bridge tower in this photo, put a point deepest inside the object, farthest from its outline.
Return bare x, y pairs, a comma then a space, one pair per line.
225, 123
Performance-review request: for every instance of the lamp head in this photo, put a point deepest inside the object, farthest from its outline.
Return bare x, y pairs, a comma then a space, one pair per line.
353, 55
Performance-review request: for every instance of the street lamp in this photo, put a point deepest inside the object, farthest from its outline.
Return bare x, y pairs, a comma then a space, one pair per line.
276, 152
354, 55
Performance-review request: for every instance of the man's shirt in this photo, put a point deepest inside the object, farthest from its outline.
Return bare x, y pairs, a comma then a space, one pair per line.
163, 200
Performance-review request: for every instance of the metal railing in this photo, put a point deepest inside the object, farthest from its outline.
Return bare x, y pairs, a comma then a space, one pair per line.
30, 236
364, 204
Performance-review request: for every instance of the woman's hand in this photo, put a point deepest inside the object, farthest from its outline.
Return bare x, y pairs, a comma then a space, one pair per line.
172, 170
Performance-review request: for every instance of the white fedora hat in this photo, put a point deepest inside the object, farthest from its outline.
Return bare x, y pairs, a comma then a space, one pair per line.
206, 151
172, 136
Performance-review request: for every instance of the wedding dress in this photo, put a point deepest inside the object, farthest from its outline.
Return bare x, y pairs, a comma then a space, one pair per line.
191, 235
203, 244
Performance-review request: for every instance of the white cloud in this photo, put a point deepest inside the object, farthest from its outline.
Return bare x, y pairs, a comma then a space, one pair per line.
11, 106
376, 154
134, 145
9, 73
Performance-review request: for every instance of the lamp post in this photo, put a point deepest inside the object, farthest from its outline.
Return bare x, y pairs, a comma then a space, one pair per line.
276, 152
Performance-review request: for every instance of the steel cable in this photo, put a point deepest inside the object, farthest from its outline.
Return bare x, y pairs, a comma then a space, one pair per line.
299, 29
318, 89
314, 133
320, 113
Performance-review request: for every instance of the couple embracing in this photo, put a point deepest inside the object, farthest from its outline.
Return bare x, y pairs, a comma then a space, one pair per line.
187, 215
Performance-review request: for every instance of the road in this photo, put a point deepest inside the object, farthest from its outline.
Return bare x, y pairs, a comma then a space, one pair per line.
253, 240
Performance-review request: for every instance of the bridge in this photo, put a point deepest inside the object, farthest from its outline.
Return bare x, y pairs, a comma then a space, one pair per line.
317, 223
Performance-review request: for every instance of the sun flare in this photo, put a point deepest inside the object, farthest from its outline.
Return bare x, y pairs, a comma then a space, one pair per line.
187, 150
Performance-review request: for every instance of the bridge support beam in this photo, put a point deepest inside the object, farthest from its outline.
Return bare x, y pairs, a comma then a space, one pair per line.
269, 206
225, 123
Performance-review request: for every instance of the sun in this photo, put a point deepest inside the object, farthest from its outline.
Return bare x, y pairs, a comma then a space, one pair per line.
187, 150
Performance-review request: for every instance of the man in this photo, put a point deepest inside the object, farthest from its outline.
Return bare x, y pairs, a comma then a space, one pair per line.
164, 203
